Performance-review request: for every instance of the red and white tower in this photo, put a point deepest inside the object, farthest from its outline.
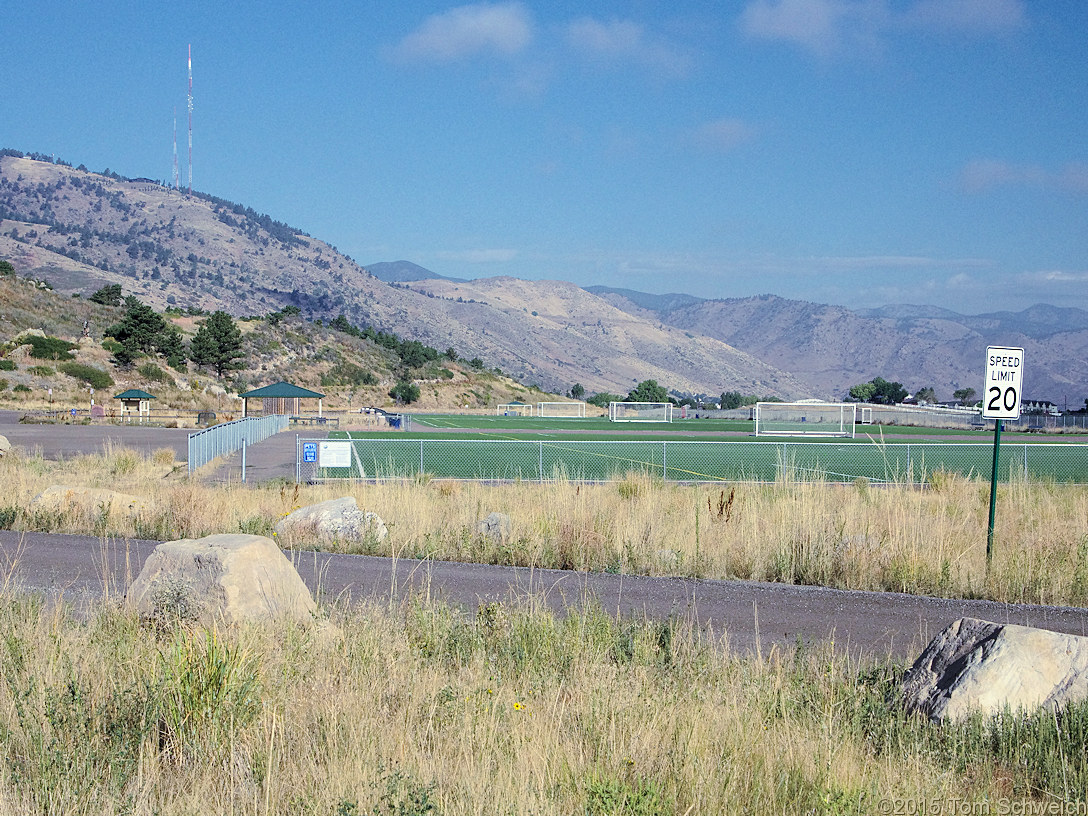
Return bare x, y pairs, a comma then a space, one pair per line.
190, 118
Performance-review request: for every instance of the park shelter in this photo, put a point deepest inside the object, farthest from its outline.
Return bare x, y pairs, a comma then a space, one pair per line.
280, 398
135, 401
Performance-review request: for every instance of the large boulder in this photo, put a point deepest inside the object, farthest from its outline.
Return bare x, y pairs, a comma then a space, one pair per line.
5, 445
221, 579
332, 520
60, 498
978, 666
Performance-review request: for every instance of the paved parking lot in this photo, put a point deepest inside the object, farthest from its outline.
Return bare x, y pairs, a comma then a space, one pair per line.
58, 441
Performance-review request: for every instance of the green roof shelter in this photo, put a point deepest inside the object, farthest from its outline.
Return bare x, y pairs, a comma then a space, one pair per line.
280, 398
135, 401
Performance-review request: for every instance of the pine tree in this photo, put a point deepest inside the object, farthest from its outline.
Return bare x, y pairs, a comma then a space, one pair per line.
217, 344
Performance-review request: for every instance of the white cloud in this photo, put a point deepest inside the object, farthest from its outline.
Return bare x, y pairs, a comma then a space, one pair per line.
827, 27
465, 31
820, 26
1060, 276
983, 175
624, 41
967, 16
723, 134
479, 255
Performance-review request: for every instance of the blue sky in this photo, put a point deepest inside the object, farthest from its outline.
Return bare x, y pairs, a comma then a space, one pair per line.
856, 152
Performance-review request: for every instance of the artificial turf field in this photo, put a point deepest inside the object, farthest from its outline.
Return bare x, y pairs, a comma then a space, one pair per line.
697, 450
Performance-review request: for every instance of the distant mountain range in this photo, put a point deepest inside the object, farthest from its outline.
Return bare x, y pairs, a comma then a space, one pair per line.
81, 230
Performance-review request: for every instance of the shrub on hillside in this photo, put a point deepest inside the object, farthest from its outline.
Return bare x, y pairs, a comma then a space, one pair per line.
94, 377
150, 371
7, 365
21, 389
47, 348
41, 371
348, 374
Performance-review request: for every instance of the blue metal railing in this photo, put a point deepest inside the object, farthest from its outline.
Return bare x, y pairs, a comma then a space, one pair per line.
225, 439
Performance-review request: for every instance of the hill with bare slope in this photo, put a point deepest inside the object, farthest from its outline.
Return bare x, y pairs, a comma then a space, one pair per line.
831, 348
81, 230
567, 328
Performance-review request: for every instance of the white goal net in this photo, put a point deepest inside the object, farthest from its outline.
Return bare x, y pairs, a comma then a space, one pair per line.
561, 409
640, 411
805, 419
514, 409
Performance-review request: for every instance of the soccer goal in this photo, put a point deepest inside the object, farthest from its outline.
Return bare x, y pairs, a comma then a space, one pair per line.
640, 411
805, 419
514, 409
561, 409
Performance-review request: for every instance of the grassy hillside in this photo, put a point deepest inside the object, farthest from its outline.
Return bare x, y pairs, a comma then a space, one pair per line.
352, 371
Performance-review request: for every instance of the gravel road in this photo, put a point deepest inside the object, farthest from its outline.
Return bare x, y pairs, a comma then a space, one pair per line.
754, 616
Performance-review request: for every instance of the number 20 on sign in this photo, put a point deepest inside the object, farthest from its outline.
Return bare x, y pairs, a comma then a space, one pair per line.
1004, 377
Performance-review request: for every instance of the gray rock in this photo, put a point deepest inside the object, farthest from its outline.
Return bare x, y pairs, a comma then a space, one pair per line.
5, 445
58, 498
221, 579
496, 526
335, 519
978, 666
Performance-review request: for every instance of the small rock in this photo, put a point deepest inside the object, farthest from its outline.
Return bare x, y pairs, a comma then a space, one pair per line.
496, 526
978, 666
5, 445
333, 520
59, 498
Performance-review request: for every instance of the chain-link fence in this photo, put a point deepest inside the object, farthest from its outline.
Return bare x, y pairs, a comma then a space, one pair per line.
681, 461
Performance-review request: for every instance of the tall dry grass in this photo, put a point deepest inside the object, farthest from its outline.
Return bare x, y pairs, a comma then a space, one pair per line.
893, 537
419, 709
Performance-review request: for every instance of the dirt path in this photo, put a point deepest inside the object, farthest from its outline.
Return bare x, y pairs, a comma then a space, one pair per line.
754, 616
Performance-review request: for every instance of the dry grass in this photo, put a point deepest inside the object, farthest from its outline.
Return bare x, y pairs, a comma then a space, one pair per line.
928, 541
419, 710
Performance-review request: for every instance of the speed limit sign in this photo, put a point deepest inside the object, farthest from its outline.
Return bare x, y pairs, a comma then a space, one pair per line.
1004, 378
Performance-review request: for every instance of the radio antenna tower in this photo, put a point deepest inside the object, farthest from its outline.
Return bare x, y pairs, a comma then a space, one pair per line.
177, 180
190, 118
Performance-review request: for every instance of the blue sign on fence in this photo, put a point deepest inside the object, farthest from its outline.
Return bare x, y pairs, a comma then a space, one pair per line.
309, 451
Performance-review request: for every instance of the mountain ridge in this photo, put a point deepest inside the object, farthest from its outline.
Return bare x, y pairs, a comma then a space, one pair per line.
83, 230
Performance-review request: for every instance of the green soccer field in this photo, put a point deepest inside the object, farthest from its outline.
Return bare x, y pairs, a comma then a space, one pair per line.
522, 448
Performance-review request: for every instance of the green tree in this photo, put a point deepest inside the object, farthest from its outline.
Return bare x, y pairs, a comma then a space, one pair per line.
926, 395
6, 268
602, 399
862, 392
648, 391
964, 395
405, 392
139, 329
888, 393
109, 295
217, 344
731, 400
577, 391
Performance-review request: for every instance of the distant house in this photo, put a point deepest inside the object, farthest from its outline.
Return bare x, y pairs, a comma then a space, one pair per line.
1040, 407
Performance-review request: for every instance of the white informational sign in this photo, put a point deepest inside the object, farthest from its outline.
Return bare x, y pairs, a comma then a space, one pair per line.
334, 454
1004, 379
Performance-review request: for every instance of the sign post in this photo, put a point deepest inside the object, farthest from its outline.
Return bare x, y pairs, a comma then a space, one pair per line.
1000, 401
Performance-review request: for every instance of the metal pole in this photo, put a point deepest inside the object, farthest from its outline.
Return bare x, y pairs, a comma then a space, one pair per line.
243, 459
993, 494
